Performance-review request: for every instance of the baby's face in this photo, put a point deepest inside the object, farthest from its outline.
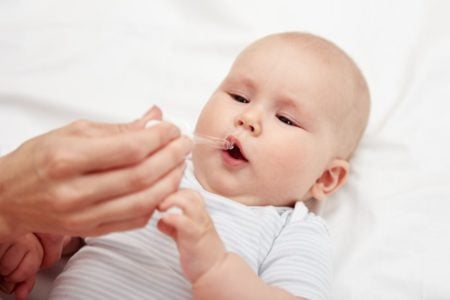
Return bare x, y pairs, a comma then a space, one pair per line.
274, 106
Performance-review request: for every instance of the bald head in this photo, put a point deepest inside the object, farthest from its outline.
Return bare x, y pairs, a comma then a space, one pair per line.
348, 101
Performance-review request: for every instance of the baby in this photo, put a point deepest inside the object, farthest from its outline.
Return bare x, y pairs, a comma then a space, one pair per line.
294, 106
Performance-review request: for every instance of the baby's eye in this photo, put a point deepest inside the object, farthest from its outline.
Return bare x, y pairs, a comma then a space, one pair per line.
239, 98
286, 120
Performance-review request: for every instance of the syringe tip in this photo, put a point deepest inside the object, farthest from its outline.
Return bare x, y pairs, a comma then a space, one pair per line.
228, 145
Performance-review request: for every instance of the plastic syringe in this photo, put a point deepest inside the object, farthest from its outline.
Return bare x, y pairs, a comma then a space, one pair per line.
211, 141
197, 138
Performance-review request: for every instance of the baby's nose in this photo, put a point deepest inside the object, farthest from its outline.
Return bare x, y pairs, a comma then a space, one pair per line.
249, 123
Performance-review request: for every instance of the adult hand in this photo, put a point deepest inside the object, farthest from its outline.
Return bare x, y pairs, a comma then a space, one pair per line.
88, 178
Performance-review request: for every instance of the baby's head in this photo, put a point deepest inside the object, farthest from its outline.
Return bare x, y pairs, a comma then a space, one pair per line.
295, 106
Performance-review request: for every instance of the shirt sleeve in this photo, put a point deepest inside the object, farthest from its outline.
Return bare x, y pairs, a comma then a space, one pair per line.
300, 260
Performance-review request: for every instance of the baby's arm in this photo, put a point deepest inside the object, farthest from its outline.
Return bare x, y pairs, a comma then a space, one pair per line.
213, 272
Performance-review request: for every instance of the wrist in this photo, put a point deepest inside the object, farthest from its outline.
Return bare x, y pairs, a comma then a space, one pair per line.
215, 274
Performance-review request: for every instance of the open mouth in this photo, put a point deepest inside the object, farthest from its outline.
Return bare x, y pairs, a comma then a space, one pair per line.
236, 153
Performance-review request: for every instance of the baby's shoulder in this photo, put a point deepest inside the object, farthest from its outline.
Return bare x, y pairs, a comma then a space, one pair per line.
302, 221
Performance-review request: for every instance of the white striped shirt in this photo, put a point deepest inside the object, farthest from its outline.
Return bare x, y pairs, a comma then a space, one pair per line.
288, 248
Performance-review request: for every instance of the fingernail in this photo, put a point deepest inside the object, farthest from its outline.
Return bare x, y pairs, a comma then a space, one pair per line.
172, 211
151, 123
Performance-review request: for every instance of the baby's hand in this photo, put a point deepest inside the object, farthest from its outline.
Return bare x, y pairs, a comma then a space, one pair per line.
198, 243
19, 262
53, 246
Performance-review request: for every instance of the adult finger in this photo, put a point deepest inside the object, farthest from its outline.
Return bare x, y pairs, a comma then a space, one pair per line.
154, 113
118, 226
73, 155
116, 214
88, 128
124, 149
115, 183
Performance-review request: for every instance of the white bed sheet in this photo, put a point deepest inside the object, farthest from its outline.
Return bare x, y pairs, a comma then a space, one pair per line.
110, 60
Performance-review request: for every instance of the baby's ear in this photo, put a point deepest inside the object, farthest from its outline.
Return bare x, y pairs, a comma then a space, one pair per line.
331, 179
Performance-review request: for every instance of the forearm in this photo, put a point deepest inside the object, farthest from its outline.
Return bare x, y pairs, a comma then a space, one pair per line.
232, 278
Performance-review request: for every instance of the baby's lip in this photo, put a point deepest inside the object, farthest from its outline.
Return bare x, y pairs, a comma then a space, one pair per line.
235, 142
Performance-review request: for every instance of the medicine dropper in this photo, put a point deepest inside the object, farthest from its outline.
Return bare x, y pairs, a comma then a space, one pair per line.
215, 142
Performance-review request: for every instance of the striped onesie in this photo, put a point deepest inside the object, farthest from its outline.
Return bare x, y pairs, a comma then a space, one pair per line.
287, 247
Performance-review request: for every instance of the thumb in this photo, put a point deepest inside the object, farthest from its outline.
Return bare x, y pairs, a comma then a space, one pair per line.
52, 245
96, 129
154, 113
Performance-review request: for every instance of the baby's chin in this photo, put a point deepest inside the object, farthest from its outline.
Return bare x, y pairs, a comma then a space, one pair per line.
219, 187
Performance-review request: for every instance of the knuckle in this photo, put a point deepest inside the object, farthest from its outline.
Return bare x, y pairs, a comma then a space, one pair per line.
72, 224
135, 150
178, 151
57, 163
161, 134
175, 154
62, 198
164, 133
141, 206
139, 178
80, 126
167, 130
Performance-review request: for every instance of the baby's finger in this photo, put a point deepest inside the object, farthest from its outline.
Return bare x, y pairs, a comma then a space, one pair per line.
24, 288
3, 248
27, 268
11, 259
166, 229
189, 202
51, 249
7, 287
181, 226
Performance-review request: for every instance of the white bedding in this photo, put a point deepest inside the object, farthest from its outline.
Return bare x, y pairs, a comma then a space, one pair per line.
110, 60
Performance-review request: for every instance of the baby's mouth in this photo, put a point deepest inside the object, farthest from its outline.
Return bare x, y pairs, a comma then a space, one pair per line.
236, 153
